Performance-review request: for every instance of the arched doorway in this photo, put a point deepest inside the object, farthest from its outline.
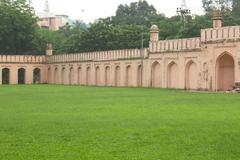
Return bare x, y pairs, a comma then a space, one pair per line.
129, 76
88, 75
139, 75
107, 76
36, 76
21, 76
191, 76
49, 75
79, 75
71, 76
5, 76
156, 75
173, 75
56, 76
225, 73
117, 76
63, 76
97, 76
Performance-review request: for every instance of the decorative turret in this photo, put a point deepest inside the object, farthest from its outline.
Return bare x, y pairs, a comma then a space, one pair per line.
217, 19
154, 33
49, 51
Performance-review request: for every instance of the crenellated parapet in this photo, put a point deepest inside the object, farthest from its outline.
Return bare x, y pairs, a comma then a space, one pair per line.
26, 59
98, 56
230, 33
210, 35
175, 45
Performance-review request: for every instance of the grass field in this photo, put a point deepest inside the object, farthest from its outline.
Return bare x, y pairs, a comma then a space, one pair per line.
88, 123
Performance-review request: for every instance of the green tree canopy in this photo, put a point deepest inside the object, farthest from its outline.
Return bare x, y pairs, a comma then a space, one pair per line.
19, 33
18, 28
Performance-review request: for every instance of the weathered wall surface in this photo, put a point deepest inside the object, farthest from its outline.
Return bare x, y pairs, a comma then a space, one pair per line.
110, 68
210, 62
15, 62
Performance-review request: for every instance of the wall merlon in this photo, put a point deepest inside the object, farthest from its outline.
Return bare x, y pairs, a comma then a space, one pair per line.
220, 34
98, 56
21, 59
175, 45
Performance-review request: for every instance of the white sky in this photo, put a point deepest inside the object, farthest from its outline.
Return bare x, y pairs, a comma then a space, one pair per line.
94, 9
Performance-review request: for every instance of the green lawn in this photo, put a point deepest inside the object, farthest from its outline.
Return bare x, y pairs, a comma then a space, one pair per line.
88, 123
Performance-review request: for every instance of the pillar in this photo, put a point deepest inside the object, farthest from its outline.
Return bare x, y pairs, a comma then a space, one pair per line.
217, 19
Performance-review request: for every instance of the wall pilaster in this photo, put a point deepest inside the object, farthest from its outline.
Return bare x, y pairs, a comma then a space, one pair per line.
13, 75
29, 75
0, 75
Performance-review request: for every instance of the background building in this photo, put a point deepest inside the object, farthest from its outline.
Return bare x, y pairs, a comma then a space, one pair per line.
51, 21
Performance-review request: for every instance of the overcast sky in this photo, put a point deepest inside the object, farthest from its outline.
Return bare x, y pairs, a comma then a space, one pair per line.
94, 9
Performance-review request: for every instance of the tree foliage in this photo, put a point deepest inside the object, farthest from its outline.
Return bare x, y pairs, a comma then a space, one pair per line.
127, 29
18, 28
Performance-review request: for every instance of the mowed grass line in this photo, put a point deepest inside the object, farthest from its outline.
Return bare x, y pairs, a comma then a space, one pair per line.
52, 122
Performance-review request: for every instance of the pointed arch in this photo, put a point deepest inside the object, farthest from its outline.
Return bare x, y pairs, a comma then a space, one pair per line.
117, 76
71, 76
107, 76
56, 77
225, 72
21, 76
139, 75
191, 76
79, 75
88, 75
173, 75
63, 75
129, 76
49, 75
5, 76
97, 76
156, 79
36, 76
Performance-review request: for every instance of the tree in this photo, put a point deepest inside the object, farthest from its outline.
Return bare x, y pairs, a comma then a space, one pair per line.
223, 5
236, 10
56, 38
19, 33
18, 28
138, 13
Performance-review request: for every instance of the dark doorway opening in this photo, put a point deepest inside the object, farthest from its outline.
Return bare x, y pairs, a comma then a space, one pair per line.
36, 76
21, 76
5, 76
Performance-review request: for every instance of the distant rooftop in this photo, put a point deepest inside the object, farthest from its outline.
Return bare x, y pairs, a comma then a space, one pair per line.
45, 15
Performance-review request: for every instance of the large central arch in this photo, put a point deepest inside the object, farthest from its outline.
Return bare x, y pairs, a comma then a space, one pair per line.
173, 75
225, 72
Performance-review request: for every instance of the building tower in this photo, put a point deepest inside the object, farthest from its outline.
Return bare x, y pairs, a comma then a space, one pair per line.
217, 19
183, 11
46, 7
